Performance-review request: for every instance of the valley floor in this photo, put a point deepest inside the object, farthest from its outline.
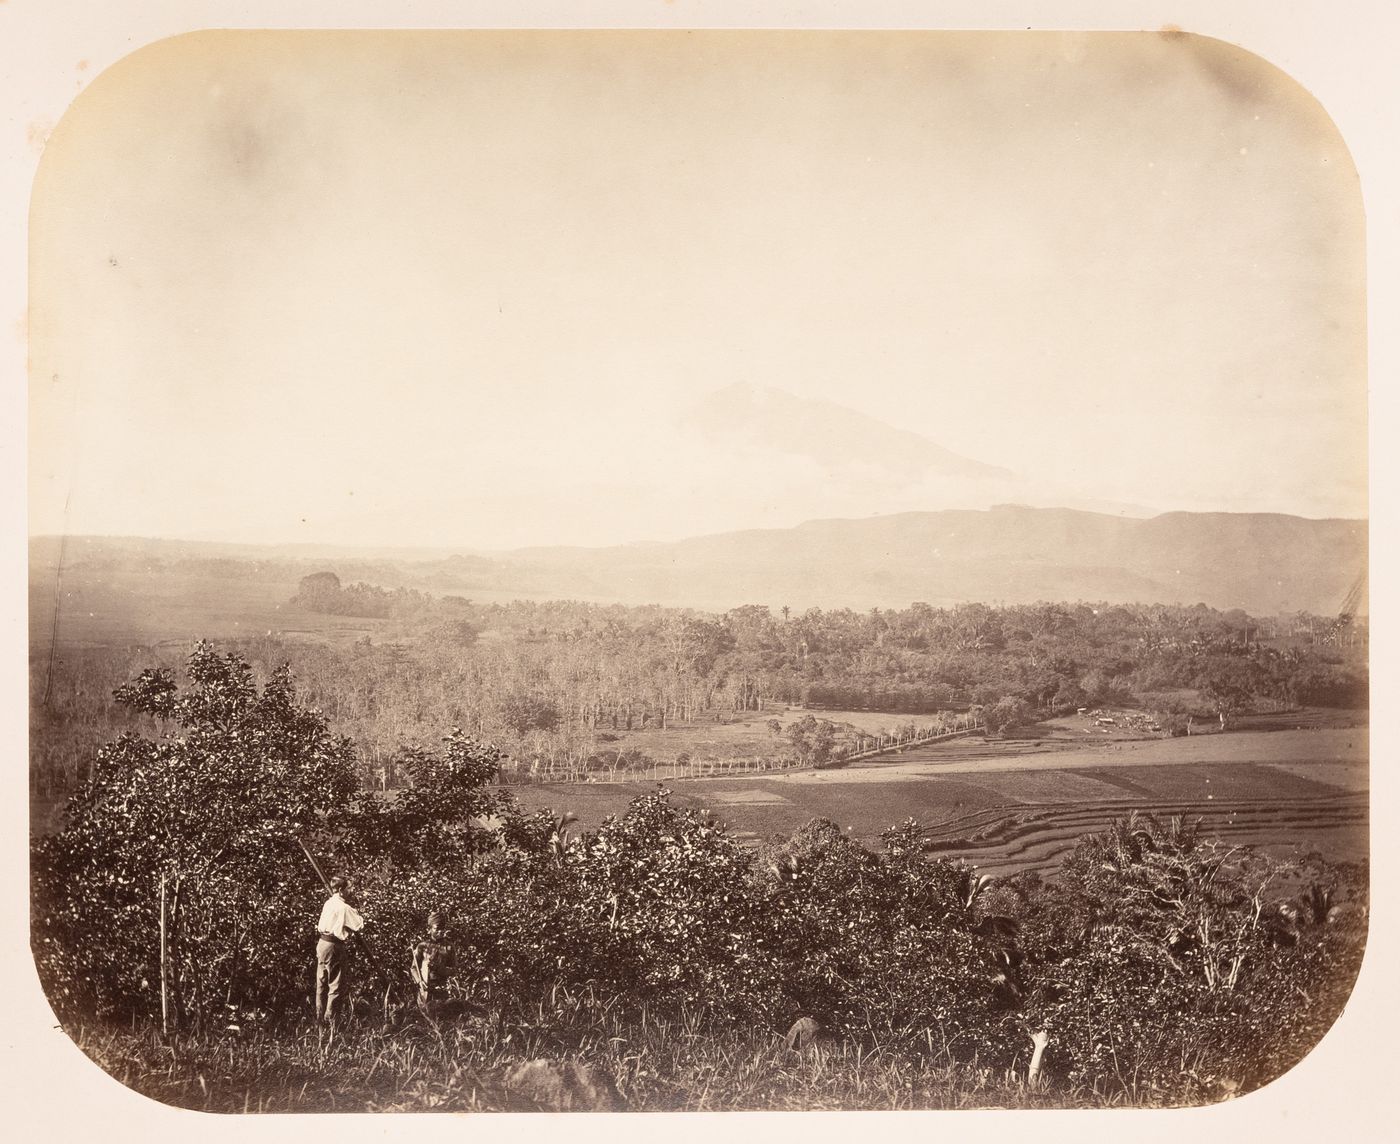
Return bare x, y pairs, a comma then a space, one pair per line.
1020, 804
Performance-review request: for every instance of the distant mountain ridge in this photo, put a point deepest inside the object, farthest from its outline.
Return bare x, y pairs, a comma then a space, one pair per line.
1263, 563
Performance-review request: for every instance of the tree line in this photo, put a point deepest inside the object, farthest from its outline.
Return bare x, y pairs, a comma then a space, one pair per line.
561, 684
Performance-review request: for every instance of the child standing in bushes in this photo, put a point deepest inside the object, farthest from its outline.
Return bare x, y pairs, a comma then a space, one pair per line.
434, 958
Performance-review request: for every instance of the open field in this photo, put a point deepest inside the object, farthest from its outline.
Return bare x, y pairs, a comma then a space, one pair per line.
731, 734
1006, 806
120, 608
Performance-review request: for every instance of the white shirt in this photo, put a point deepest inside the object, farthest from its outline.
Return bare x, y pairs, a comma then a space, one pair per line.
338, 918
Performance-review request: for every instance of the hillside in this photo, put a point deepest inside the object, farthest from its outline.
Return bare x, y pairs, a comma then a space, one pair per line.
1263, 563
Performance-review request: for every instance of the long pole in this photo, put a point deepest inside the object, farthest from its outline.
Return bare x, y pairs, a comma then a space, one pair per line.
164, 957
326, 882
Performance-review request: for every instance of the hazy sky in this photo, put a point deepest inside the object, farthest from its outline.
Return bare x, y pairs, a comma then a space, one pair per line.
461, 289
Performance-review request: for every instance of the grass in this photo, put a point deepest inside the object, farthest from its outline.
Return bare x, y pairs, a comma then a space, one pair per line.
656, 1065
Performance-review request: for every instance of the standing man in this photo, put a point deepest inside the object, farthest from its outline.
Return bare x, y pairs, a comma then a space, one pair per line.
339, 919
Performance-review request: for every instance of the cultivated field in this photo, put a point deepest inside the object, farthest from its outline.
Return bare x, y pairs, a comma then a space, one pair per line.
1022, 804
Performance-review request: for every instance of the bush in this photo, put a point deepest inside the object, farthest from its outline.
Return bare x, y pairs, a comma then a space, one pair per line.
212, 809
215, 810
1165, 970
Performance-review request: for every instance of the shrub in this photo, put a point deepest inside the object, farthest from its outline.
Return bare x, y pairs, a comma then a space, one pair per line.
681, 930
1160, 965
213, 808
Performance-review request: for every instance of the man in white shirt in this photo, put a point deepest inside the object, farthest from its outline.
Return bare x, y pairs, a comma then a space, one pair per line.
339, 919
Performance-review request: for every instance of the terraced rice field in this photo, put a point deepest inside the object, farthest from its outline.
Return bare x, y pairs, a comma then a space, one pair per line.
1039, 837
1010, 806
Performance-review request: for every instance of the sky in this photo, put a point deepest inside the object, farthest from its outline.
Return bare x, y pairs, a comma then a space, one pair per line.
468, 289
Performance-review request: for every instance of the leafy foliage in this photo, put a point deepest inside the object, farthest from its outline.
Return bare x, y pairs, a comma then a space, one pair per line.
213, 808
1166, 967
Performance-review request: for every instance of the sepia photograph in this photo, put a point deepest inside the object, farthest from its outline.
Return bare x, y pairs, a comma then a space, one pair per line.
713, 570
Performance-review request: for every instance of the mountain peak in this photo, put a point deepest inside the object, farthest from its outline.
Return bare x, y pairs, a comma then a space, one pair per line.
832, 435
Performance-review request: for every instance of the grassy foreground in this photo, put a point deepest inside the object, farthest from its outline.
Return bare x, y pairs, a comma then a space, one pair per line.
422, 1067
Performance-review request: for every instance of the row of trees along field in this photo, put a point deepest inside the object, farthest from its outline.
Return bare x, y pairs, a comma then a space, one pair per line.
1160, 967
560, 684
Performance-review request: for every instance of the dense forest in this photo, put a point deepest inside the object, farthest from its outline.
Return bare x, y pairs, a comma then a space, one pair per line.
563, 684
